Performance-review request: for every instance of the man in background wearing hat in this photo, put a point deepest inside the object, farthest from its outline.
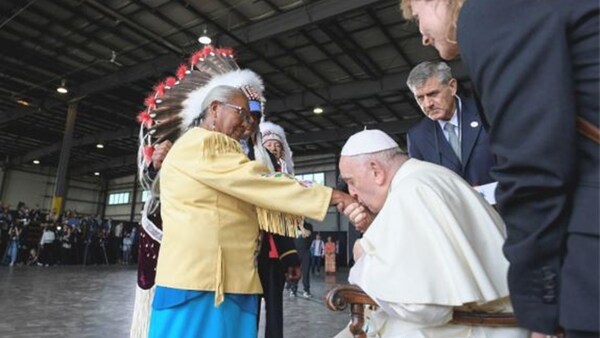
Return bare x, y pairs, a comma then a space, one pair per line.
452, 135
434, 246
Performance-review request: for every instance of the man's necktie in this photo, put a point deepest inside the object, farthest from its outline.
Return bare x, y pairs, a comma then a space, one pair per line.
453, 139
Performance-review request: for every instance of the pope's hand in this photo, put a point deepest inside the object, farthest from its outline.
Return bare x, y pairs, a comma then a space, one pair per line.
357, 250
359, 215
159, 154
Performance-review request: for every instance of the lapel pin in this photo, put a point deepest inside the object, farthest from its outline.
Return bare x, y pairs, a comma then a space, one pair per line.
474, 124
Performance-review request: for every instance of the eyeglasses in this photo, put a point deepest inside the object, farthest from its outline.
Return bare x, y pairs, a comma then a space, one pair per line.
244, 114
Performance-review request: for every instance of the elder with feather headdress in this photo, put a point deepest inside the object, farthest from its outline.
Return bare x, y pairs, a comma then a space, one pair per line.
214, 201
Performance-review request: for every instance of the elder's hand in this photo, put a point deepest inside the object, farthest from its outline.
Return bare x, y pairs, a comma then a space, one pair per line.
341, 199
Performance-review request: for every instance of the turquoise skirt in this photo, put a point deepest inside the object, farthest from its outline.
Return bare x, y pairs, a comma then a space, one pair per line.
198, 317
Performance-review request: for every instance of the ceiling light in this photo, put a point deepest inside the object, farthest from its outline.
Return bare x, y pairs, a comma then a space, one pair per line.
36, 161
62, 88
99, 145
204, 38
23, 102
96, 173
318, 110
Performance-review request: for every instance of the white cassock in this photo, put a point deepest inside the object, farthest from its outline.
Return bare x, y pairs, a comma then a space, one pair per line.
435, 246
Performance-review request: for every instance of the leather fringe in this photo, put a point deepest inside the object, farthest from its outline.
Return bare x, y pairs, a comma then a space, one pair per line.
217, 143
279, 223
142, 309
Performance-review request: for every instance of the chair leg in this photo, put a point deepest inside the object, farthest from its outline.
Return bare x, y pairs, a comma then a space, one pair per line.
357, 320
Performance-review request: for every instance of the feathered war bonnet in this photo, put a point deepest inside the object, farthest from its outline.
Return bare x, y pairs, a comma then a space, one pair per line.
272, 131
176, 103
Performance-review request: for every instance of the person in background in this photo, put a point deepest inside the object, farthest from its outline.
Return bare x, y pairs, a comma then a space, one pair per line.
535, 67
117, 241
302, 244
127, 244
14, 234
47, 246
66, 245
278, 256
317, 251
32, 259
330, 254
452, 134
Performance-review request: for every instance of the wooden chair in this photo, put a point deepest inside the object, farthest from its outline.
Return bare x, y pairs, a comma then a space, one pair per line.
338, 299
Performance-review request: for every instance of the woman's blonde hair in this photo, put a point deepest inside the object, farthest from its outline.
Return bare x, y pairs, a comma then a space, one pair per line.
406, 9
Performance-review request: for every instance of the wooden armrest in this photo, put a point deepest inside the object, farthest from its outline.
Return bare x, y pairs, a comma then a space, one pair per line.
484, 319
339, 297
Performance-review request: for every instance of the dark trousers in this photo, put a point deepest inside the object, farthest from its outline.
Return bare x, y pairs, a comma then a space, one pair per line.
315, 264
272, 279
581, 334
47, 254
305, 266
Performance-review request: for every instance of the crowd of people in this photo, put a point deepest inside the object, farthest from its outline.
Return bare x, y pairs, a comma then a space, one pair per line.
32, 237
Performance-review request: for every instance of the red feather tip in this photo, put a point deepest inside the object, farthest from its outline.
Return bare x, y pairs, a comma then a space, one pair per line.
207, 50
225, 51
201, 54
181, 71
197, 56
145, 119
150, 102
148, 151
159, 90
170, 82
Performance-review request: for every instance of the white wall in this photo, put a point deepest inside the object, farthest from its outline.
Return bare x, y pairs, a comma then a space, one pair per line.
35, 187
123, 211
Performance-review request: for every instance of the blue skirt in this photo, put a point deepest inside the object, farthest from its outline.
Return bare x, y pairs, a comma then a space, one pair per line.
198, 317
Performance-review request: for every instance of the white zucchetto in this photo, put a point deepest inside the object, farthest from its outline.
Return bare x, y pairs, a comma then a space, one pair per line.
368, 141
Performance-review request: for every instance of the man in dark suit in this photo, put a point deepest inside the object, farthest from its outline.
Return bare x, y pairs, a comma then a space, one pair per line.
452, 135
535, 66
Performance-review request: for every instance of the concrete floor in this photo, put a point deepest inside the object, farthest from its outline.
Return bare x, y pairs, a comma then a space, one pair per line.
76, 301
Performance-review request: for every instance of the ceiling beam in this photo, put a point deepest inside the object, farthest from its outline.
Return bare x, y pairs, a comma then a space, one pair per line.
155, 67
342, 134
288, 21
82, 141
295, 19
103, 165
352, 90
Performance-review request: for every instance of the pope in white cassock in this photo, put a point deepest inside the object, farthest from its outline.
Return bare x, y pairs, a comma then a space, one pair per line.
434, 246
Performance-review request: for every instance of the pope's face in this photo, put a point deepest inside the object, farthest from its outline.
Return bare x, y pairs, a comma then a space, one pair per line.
436, 99
436, 26
361, 182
